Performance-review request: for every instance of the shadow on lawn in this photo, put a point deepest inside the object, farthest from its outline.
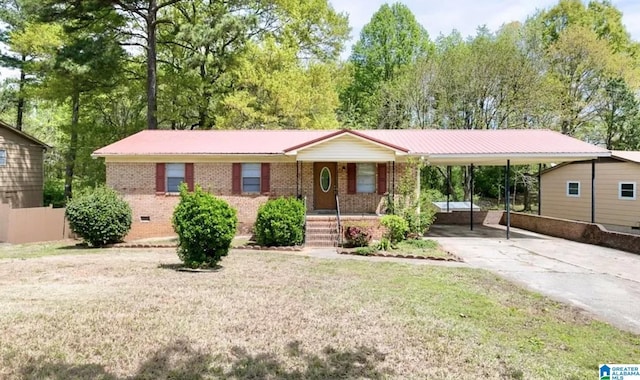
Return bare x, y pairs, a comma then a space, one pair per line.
181, 361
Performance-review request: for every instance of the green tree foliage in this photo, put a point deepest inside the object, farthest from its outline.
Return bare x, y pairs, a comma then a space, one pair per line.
246, 63
205, 226
273, 91
280, 222
87, 63
99, 216
390, 43
28, 42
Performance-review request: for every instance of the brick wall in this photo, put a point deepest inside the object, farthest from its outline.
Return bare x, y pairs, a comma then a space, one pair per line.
577, 231
136, 182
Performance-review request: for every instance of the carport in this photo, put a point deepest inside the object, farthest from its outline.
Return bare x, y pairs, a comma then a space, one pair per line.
517, 147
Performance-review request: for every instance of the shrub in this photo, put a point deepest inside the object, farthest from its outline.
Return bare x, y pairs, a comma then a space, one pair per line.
280, 222
365, 251
384, 244
357, 236
99, 216
205, 226
417, 211
396, 228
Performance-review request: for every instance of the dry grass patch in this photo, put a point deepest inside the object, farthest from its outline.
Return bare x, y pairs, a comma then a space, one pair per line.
126, 314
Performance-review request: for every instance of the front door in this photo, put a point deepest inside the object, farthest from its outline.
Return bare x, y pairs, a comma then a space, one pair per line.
324, 185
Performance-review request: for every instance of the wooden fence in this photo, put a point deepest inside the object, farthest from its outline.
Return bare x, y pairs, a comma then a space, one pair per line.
27, 225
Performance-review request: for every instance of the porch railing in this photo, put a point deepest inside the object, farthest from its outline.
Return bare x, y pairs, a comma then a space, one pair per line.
338, 219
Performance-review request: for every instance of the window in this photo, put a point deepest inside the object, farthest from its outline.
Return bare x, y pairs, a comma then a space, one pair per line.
627, 190
3, 157
175, 176
366, 178
573, 189
251, 178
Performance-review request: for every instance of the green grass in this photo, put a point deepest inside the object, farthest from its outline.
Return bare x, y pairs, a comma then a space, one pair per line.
28, 251
124, 314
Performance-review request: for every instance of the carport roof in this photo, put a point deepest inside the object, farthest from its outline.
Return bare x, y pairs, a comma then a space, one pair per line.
438, 147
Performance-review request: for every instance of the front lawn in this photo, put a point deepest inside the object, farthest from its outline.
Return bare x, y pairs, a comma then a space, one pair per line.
127, 314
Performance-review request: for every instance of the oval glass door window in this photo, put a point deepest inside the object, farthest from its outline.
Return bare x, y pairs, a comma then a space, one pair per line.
325, 179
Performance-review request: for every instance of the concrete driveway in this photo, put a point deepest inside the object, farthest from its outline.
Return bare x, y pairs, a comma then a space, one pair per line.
603, 281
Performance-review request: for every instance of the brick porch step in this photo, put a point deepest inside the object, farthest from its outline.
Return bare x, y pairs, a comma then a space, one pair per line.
321, 231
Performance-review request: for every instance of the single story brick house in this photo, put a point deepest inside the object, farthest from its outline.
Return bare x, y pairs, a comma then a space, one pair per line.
349, 170
566, 191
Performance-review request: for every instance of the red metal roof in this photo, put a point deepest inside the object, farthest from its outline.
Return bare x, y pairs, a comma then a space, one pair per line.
473, 142
161, 142
430, 142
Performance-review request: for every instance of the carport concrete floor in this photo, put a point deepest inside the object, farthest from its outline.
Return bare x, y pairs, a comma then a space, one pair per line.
603, 281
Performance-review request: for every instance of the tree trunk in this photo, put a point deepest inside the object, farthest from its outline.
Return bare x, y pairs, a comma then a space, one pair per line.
152, 72
203, 108
467, 183
527, 197
70, 160
20, 110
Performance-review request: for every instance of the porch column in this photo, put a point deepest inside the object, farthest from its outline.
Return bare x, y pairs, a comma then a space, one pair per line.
298, 180
593, 191
507, 201
471, 199
393, 182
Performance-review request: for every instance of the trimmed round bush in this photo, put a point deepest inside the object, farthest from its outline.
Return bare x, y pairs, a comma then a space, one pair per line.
280, 222
205, 225
396, 226
99, 216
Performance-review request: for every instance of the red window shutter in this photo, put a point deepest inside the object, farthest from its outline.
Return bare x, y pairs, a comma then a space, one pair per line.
382, 178
188, 175
265, 178
351, 178
236, 178
160, 178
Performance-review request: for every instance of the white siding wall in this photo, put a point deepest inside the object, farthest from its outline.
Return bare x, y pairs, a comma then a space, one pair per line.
347, 149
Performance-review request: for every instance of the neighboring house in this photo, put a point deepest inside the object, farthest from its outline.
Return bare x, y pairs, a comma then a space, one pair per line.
21, 168
352, 169
566, 190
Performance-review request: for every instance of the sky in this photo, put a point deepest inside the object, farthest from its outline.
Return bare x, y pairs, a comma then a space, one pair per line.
442, 16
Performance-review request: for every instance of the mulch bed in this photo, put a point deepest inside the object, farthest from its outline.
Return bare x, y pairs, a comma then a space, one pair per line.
404, 256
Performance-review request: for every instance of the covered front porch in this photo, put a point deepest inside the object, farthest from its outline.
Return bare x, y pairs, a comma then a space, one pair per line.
348, 173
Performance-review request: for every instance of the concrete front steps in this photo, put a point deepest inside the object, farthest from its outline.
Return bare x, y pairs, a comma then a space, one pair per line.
321, 231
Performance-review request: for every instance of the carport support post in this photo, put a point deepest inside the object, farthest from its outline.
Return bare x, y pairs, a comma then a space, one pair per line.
593, 191
471, 200
448, 186
507, 201
539, 190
